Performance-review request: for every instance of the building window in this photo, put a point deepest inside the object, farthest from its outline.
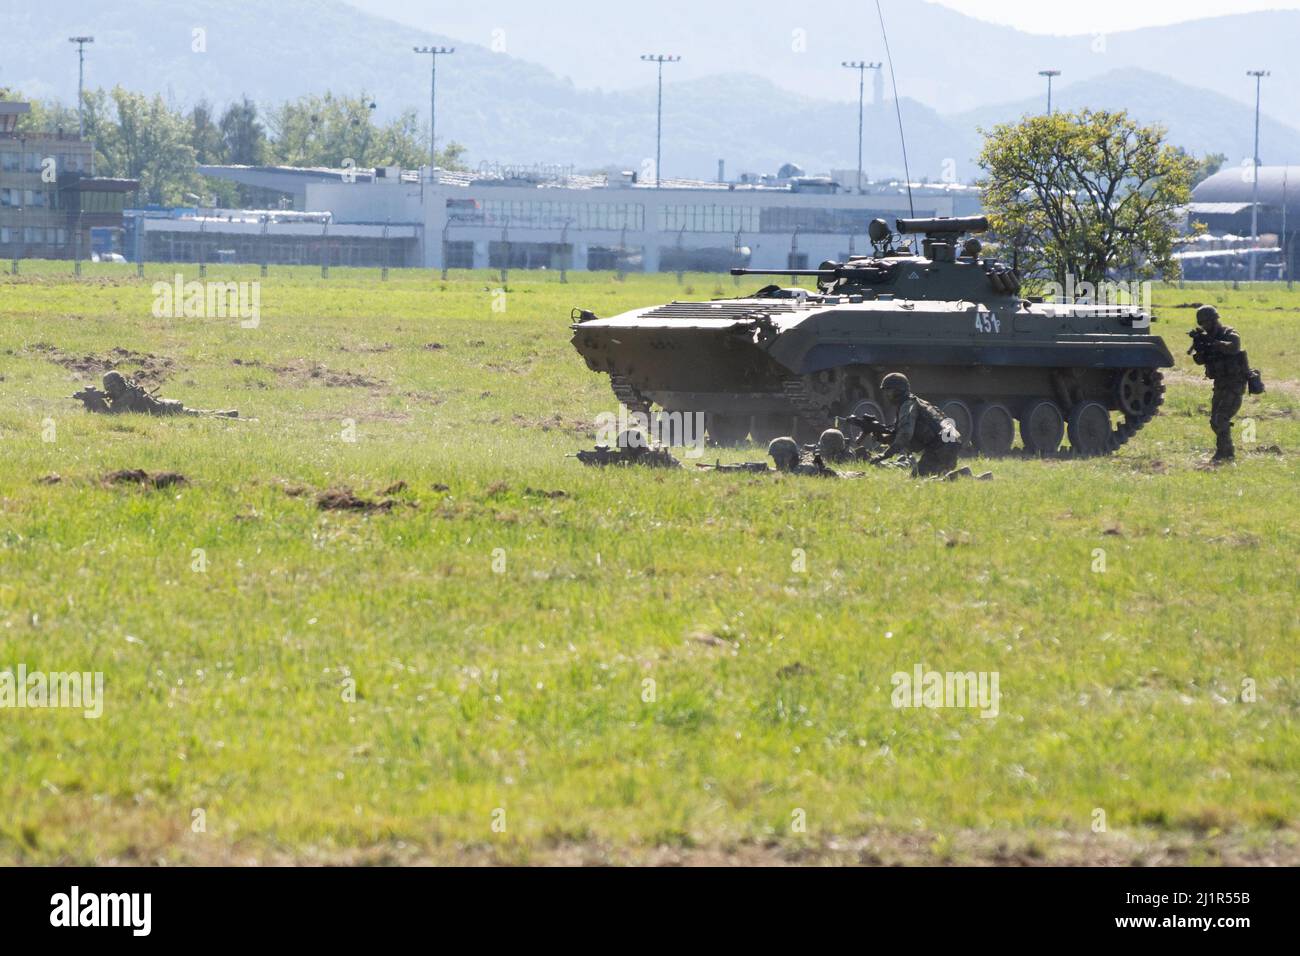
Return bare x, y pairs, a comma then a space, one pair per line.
708, 218
544, 214
458, 255
845, 222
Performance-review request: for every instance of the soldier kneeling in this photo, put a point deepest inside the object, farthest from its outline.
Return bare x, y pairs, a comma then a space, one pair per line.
921, 429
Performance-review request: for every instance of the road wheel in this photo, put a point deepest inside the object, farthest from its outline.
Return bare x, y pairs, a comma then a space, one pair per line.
1090, 431
960, 414
1139, 392
995, 430
726, 431
1041, 428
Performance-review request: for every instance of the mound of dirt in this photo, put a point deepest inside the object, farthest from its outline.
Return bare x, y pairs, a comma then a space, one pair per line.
302, 373
144, 367
138, 476
343, 499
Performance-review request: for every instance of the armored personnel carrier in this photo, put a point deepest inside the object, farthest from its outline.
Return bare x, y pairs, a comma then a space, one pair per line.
792, 360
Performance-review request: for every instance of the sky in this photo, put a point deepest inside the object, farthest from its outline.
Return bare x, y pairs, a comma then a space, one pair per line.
1104, 16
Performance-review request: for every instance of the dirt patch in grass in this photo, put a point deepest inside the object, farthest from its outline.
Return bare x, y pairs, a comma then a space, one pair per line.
302, 372
142, 478
344, 499
144, 367
541, 493
1136, 847
556, 423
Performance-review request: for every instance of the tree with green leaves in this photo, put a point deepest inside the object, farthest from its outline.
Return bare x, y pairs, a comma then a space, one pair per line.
243, 135
140, 138
1091, 195
332, 131
205, 135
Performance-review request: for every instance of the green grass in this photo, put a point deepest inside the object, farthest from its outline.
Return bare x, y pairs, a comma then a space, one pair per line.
523, 690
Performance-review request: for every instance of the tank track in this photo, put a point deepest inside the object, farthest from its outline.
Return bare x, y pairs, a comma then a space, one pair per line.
1122, 433
628, 394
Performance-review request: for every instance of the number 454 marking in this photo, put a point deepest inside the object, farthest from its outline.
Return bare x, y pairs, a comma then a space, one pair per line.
987, 322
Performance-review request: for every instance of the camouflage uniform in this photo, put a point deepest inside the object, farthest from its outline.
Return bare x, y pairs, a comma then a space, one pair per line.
124, 396
1225, 365
920, 429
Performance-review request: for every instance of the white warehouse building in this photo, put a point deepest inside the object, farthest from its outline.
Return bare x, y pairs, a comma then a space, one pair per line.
551, 218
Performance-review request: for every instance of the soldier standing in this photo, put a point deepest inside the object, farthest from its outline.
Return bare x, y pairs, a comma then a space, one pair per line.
1218, 348
920, 427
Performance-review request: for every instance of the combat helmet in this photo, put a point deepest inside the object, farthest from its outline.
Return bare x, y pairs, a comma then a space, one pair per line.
896, 382
784, 452
832, 443
114, 382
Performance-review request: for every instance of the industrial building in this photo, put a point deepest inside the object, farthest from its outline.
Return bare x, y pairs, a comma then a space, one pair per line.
549, 218
49, 200
1223, 203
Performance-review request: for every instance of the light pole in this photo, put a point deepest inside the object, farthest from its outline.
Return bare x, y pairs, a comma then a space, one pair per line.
1049, 74
434, 52
661, 59
1254, 176
81, 80
861, 67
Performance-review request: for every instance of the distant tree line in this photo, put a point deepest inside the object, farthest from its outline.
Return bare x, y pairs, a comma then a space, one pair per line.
146, 138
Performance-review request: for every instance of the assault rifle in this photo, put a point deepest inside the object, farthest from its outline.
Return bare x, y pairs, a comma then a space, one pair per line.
871, 425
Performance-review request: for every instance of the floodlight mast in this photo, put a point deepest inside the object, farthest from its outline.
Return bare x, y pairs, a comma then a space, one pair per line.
1049, 74
1254, 177
862, 67
434, 52
660, 59
81, 81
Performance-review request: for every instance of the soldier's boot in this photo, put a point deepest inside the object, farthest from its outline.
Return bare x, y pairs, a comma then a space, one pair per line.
1223, 449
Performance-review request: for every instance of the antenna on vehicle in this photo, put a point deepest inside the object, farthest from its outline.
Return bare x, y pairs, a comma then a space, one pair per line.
897, 109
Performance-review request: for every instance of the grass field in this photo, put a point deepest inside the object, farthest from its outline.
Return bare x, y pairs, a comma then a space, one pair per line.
635, 669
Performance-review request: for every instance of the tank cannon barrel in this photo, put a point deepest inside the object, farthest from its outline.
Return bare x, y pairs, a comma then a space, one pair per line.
944, 225
820, 273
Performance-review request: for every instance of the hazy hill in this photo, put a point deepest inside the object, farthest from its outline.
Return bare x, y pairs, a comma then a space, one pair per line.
725, 101
945, 59
1198, 120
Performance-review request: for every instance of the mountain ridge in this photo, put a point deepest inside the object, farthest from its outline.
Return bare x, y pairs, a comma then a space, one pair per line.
507, 109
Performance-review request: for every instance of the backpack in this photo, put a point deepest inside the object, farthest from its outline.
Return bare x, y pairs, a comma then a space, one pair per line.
929, 424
